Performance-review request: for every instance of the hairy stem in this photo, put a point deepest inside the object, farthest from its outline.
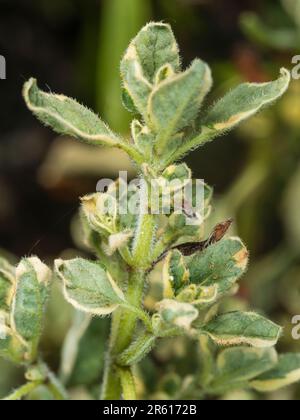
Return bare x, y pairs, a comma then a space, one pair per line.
124, 320
127, 382
23, 391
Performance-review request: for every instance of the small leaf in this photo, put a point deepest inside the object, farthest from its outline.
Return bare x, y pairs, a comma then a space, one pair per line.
201, 296
178, 314
222, 264
236, 366
237, 328
30, 295
174, 179
11, 346
285, 373
142, 137
128, 102
100, 211
244, 102
238, 105
66, 116
136, 86
165, 72
175, 103
175, 274
88, 287
154, 47
7, 280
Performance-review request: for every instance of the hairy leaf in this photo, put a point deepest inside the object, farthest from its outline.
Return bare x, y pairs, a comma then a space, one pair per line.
153, 47
11, 346
7, 280
66, 116
175, 103
222, 264
244, 102
136, 86
175, 273
237, 328
236, 366
30, 295
179, 314
88, 287
285, 373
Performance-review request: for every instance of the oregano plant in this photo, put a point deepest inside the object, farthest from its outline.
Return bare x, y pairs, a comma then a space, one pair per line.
131, 237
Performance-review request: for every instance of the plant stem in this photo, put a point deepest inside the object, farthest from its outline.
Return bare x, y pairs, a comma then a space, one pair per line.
56, 387
127, 382
123, 326
124, 320
23, 391
128, 319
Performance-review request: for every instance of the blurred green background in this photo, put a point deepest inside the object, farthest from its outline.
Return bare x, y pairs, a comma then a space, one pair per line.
74, 47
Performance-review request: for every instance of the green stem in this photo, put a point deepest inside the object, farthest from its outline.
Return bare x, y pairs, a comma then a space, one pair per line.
141, 253
128, 384
111, 387
132, 152
190, 144
128, 319
56, 387
122, 330
23, 391
124, 320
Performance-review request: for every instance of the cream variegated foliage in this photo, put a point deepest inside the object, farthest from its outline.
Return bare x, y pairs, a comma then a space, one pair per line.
88, 287
237, 328
170, 118
24, 308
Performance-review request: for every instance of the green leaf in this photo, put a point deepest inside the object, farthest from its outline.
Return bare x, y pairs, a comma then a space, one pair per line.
179, 172
238, 105
28, 307
176, 313
66, 116
7, 279
236, 366
285, 373
135, 84
200, 296
128, 102
12, 346
222, 264
100, 210
143, 138
175, 274
88, 287
244, 102
237, 328
153, 47
174, 103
